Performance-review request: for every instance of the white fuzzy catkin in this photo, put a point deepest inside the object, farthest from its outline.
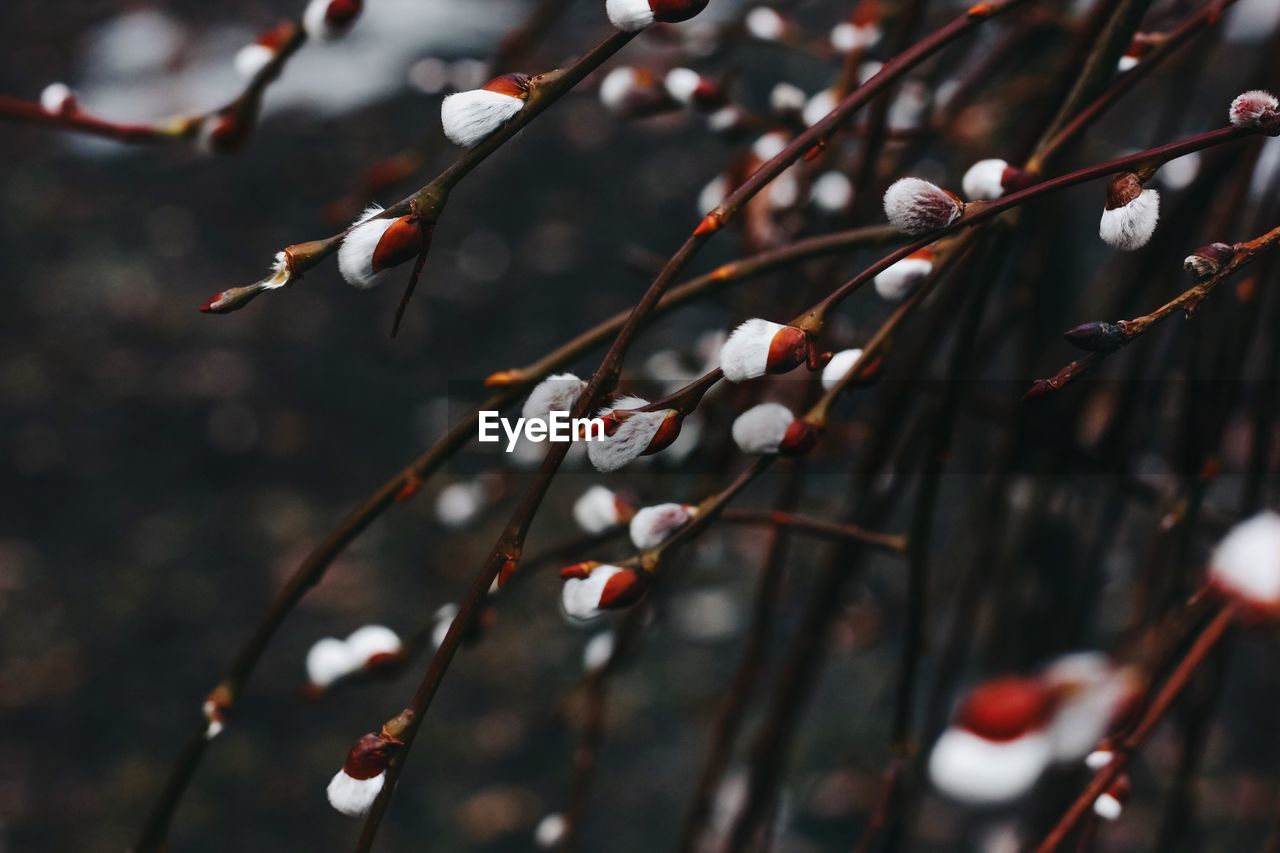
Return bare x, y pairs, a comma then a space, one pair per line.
1130, 226
630, 439
1093, 691
370, 641
785, 98
458, 504
55, 97
897, 281
745, 354
580, 597
977, 771
1248, 109
354, 797
355, 255
765, 24
847, 37
468, 117
1246, 563
629, 15
1108, 807
252, 58
550, 831
916, 206
761, 428
817, 107
327, 661
831, 192
617, 87
681, 84
652, 525
556, 393
596, 510
598, 651
984, 180
840, 364
315, 20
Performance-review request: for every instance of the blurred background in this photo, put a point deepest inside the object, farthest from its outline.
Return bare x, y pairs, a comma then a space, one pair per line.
163, 470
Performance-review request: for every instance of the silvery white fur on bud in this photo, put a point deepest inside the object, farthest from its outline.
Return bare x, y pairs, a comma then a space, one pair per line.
897, 281
652, 525
597, 510
984, 180
469, 117
630, 439
765, 24
370, 642
786, 98
758, 347
1093, 692
598, 651
252, 58
1251, 108
831, 192
57, 98
760, 429
550, 831
605, 587
354, 788
1108, 807
1246, 564
556, 393
355, 255
847, 36
916, 206
328, 660
998, 746
819, 106
623, 86
1130, 215
839, 365
633, 15
441, 621
329, 19
682, 84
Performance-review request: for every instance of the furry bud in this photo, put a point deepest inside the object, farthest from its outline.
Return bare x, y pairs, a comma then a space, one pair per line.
58, 99
758, 347
1098, 336
252, 58
329, 19
1092, 694
916, 206
1256, 108
860, 31
630, 92
1110, 805
599, 510
900, 279
831, 192
786, 98
551, 830
819, 107
761, 429
1245, 566
1131, 213
237, 297
652, 525
989, 179
374, 244
998, 746
633, 15
603, 588
690, 89
355, 787
1207, 260
556, 393
469, 117
765, 24
630, 434
842, 362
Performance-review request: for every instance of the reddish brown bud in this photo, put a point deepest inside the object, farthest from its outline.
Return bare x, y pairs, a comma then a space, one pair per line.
788, 350
1207, 260
1097, 336
578, 570
512, 85
370, 756
401, 242
1007, 708
1123, 189
799, 438
667, 433
675, 11
341, 13
621, 590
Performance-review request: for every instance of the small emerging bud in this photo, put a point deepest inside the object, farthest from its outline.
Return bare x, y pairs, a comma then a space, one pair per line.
634, 15
630, 91
252, 58
987, 180
916, 206
899, 280
354, 788
765, 24
58, 99
1110, 804
326, 20
469, 117
842, 362
758, 347
1256, 108
1092, 695
599, 510
1207, 260
1134, 53
1245, 565
604, 588
630, 434
652, 525
1098, 336
367, 648
690, 89
223, 132
237, 297
998, 746
1130, 216
374, 244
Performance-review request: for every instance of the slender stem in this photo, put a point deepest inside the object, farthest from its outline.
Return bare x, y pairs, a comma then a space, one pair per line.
1160, 706
894, 542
